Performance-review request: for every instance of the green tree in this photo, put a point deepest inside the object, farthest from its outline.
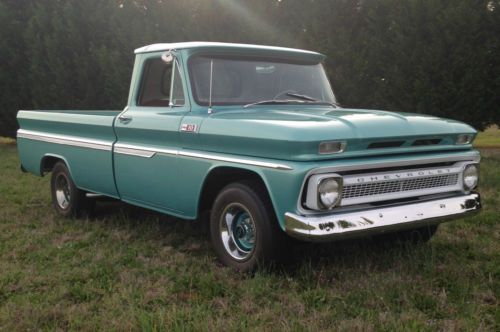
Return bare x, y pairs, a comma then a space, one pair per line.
14, 89
428, 56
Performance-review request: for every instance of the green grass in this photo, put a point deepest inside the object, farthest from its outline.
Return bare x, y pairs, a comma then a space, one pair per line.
7, 140
490, 138
130, 269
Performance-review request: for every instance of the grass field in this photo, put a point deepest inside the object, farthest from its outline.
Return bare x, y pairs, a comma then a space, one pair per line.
130, 269
490, 138
7, 141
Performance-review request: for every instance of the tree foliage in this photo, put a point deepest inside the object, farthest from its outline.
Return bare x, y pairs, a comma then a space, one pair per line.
426, 56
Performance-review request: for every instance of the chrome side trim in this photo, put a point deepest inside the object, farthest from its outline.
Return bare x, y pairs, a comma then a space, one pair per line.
337, 226
134, 152
139, 151
65, 140
142, 151
92, 195
147, 152
234, 160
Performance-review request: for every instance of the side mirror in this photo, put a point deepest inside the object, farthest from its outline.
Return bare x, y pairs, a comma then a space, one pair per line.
168, 57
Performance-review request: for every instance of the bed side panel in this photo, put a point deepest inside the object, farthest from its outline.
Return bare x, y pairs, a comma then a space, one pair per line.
83, 139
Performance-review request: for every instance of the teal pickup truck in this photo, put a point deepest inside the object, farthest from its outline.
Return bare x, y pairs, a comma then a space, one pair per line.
254, 135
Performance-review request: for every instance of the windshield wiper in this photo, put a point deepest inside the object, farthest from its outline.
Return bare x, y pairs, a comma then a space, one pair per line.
271, 101
304, 97
311, 99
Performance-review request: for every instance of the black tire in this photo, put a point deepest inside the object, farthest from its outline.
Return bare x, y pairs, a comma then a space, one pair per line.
67, 199
412, 236
249, 208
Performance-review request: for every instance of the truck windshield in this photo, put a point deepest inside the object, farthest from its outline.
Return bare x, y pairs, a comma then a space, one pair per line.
249, 81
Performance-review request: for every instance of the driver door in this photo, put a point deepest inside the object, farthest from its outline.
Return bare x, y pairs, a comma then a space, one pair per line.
145, 155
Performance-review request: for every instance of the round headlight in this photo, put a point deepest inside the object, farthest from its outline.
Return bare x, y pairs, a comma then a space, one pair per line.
329, 191
470, 177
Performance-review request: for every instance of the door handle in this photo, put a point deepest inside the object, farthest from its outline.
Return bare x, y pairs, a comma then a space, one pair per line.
124, 119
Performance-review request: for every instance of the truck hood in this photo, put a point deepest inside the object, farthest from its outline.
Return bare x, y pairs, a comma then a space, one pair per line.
295, 133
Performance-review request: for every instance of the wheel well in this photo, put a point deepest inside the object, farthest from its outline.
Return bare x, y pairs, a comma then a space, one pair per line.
221, 177
48, 163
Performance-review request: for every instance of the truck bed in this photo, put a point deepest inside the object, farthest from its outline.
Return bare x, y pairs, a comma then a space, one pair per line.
83, 138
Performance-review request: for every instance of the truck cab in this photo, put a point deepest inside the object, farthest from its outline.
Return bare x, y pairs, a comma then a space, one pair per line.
255, 136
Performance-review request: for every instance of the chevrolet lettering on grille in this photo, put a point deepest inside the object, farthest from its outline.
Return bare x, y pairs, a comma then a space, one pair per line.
359, 189
402, 175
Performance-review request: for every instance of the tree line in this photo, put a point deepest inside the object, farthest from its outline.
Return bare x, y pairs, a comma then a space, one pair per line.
438, 57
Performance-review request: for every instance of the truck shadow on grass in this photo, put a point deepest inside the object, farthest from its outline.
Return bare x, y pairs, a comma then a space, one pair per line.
192, 238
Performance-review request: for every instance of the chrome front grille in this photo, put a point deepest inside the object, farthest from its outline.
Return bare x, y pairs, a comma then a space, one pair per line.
398, 186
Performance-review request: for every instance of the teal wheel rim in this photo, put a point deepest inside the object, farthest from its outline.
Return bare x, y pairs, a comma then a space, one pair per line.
237, 230
244, 232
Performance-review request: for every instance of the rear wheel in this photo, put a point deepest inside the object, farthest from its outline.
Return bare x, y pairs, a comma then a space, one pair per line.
243, 228
67, 199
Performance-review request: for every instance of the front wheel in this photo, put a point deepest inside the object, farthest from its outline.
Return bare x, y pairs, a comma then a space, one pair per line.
67, 199
243, 228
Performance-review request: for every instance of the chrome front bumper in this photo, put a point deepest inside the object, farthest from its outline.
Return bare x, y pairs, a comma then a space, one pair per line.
337, 226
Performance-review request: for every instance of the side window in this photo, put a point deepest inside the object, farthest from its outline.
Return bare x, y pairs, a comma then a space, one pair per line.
156, 86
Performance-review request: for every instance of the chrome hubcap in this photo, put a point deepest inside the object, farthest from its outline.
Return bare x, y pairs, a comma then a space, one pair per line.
62, 191
237, 229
